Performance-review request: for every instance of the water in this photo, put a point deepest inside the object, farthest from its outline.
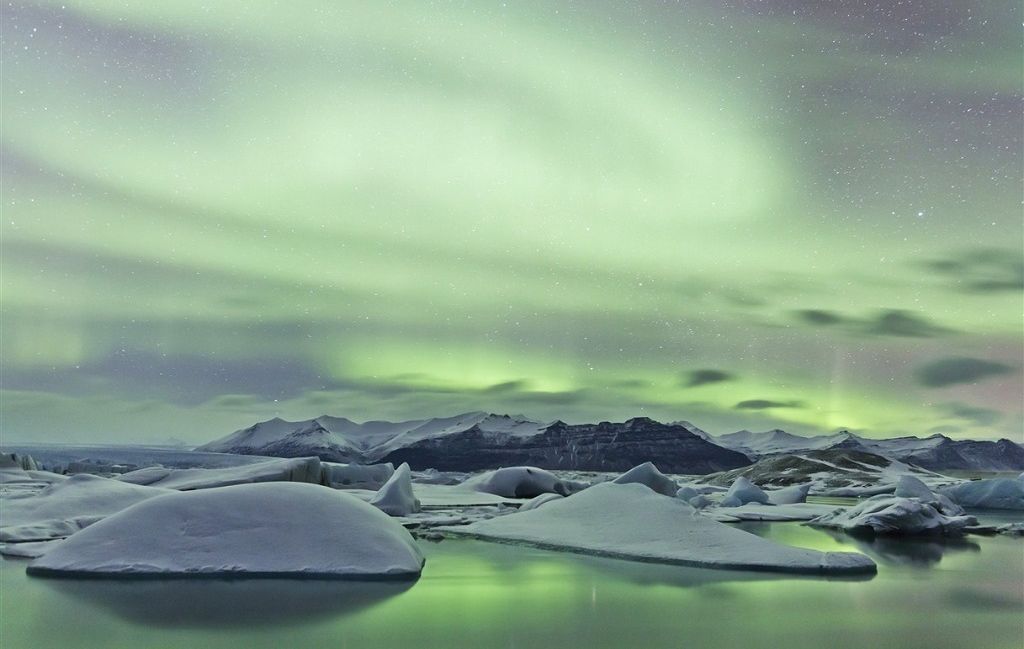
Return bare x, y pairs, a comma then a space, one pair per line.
967, 593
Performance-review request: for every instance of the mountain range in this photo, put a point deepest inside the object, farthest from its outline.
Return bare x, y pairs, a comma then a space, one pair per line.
479, 440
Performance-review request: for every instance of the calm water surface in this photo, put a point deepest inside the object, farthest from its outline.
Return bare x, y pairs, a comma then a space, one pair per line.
964, 594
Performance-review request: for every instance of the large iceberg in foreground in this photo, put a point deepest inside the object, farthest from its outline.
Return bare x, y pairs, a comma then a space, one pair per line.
280, 529
629, 521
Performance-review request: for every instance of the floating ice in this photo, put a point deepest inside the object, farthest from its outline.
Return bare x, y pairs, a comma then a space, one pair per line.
518, 482
396, 497
995, 493
66, 507
648, 475
299, 469
897, 516
629, 521
742, 492
265, 530
793, 495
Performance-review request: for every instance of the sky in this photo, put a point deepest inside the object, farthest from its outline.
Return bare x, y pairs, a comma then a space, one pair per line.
743, 214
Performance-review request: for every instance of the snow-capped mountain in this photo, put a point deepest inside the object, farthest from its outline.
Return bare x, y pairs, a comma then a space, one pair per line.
936, 452
479, 440
337, 439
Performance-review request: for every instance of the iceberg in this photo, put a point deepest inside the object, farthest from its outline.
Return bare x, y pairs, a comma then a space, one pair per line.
301, 469
994, 493
648, 475
629, 521
897, 516
396, 497
257, 530
517, 482
66, 507
743, 492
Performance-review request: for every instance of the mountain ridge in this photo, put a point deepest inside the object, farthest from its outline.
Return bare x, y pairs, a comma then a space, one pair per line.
479, 440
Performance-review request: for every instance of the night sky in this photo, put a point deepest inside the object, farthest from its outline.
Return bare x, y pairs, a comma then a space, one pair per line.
801, 214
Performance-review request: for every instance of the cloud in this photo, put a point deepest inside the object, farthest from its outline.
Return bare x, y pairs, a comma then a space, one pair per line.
959, 369
819, 317
903, 323
985, 270
980, 416
765, 404
697, 378
890, 322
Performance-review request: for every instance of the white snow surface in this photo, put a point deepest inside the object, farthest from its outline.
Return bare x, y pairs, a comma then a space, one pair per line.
517, 482
629, 521
264, 529
301, 469
396, 497
994, 493
65, 507
649, 476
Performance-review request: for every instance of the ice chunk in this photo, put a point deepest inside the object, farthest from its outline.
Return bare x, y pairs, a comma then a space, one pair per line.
995, 493
793, 495
359, 476
518, 482
265, 529
894, 515
648, 475
629, 521
744, 491
910, 487
396, 497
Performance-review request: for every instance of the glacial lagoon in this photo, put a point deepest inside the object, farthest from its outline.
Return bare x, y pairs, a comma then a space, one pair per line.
928, 594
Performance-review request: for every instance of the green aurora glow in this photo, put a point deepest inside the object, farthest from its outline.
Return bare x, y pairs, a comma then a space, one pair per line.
745, 215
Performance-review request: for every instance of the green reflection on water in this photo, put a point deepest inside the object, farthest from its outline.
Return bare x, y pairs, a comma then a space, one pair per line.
474, 594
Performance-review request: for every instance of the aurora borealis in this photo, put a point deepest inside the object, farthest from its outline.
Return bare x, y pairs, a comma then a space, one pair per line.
744, 214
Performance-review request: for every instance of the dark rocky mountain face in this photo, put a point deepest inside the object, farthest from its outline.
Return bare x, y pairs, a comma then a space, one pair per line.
969, 455
584, 447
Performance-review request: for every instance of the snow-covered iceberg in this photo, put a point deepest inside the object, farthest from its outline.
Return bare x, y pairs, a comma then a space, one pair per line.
299, 469
262, 530
648, 475
66, 507
629, 521
518, 482
744, 492
995, 493
395, 497
896, 515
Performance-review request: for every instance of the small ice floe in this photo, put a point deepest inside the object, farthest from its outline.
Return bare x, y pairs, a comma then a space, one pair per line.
630, 521
649, 476
260, 530
994, 493
518, 482
920, 512
395, 497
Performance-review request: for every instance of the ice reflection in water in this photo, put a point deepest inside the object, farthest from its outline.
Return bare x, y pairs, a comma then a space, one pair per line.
226, 603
